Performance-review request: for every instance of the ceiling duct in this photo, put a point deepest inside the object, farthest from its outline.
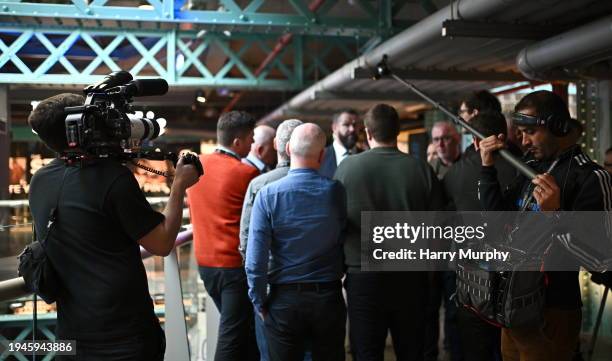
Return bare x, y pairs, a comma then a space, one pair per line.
548, 59
408, 41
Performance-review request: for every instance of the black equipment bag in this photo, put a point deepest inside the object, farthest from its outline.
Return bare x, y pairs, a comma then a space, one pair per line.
507, 299
34, 266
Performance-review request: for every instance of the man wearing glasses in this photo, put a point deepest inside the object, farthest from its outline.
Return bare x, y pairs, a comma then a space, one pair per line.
446, 140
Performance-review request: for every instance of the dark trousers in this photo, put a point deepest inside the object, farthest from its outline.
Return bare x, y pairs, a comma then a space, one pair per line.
296, 318
480, 340
228, 289
260, 336
443, 286
556, 340
149, 345
382, 302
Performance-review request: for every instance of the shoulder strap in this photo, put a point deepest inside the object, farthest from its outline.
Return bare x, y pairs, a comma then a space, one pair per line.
53, 212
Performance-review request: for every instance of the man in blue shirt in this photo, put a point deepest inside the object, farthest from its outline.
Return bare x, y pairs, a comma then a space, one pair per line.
298, 220
283, 134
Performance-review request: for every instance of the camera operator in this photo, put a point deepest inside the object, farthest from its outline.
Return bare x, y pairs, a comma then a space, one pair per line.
575, 183
102, 218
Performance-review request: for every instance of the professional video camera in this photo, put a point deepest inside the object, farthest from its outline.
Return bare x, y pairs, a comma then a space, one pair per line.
107, 127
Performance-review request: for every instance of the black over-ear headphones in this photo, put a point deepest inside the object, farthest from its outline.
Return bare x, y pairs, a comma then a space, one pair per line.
558, 126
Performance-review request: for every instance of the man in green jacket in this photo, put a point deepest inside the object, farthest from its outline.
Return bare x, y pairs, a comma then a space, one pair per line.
385, 179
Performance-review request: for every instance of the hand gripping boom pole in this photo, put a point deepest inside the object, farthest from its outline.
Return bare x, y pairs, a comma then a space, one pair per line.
382, 70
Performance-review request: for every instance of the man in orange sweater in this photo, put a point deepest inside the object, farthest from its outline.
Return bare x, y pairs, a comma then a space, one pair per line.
215, 204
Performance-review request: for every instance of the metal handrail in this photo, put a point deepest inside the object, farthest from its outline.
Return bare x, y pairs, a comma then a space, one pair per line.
15, 287
25, 202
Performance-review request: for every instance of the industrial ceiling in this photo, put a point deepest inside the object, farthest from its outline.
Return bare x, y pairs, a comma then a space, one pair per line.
304, 58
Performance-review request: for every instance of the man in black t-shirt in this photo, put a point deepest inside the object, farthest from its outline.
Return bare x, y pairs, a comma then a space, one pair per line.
102, 218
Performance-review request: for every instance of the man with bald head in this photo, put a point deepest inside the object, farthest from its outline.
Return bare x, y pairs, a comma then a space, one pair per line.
283, 134
295, 246
262, 155
447, 142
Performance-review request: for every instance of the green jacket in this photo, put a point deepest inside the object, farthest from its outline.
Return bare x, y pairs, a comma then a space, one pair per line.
384, 179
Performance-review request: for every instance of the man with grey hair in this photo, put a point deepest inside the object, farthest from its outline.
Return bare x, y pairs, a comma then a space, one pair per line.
447, 141
302, 265
283, 134
262, 155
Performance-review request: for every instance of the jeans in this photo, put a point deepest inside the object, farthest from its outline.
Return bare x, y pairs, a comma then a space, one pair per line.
262, 342
260, 335
382, 302
228, 289
146, 346
297, 320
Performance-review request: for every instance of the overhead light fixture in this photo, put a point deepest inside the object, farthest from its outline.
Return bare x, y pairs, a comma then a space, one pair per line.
200, 98
227, 33
201, 33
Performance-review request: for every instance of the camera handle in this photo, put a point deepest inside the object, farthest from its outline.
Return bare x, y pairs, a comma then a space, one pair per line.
382, 70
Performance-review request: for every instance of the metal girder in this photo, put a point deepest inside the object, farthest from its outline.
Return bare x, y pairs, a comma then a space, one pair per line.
417, 74
309, 113
229, 16
56, 55
367, 96
476, 29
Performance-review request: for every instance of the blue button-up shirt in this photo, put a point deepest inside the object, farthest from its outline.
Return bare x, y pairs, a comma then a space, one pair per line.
298, 220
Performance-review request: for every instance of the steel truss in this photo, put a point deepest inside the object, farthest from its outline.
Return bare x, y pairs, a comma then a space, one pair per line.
184, 58
43, 43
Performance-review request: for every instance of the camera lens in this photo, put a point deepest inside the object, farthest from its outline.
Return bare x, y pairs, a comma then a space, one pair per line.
146, 129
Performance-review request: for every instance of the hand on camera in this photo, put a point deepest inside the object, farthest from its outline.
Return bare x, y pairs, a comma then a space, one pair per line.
488, 147
187, 172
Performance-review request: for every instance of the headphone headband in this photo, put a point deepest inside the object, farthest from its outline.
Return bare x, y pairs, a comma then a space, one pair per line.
557, 126
524, 119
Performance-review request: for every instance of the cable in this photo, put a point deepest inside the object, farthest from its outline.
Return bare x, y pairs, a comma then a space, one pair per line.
3, 227
152, 170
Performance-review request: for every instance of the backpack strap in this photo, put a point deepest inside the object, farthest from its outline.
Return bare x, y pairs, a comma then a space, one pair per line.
52, 213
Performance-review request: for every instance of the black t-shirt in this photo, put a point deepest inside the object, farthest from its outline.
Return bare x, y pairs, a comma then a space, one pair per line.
101, 215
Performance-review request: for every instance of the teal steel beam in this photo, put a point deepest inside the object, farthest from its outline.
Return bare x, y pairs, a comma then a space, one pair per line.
303, 9
298, 57
85, 55
163, 11
253, 6
171, 56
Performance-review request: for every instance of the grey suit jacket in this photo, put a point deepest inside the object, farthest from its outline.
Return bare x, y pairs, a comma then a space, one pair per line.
249, 198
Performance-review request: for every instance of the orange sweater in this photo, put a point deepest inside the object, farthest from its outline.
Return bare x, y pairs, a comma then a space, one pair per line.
215, 205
